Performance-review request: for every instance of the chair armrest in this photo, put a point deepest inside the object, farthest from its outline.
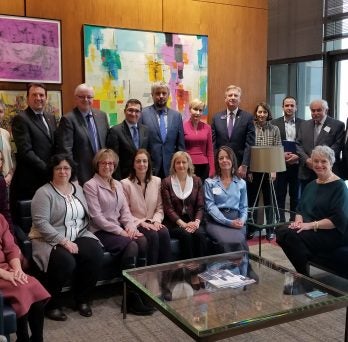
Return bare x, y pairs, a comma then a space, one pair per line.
1, 314
23, 242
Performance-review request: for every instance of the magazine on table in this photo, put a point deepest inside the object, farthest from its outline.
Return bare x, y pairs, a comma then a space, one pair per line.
225, 278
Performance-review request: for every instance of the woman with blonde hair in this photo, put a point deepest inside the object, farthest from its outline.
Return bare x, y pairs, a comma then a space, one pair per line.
198, 141
183, 205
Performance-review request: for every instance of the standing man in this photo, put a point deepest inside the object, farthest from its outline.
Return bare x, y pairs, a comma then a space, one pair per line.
127, 137
165, 129
320, 130
82, 132
235, 128
288, 126
33, 132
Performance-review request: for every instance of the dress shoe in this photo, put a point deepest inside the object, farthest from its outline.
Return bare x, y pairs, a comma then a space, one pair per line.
250, 236
270, 234
56, 314
84, 309
136, 306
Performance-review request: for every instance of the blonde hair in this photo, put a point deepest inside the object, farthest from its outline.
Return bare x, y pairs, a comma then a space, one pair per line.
190, 170
196, 103
233, 87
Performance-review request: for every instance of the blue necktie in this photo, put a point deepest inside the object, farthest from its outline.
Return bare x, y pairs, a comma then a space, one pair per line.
92, 132
135, 136
162, 125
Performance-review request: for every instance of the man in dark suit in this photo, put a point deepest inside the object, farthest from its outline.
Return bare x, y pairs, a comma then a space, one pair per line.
288, 126
320, 130
235, 128
165, 129
82, 132
127, 137
33, 132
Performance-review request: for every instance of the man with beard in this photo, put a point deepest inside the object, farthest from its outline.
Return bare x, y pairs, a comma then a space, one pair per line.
165, 129
234, 127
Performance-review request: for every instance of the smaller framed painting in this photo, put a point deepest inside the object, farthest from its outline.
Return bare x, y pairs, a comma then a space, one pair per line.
30, 50
16, 101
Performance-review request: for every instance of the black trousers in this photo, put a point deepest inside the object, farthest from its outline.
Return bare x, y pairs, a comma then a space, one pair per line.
202, 171
284, 181
191, 244
299, 247
81, 269
158, 245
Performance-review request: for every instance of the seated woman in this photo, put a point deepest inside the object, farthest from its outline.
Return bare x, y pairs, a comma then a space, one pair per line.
183, 205
112, 221
63, 248
322, 214
25, 294
226, 203
143, 194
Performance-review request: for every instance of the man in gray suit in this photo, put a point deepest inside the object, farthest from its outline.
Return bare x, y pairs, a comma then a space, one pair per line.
234, 127
320, 130
289, 126
127, 137
165, 129
82, 132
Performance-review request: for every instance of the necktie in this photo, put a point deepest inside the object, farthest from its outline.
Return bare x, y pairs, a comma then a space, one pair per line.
230, 125
317, 128
135, 136
43, 121
162, 125
92, 132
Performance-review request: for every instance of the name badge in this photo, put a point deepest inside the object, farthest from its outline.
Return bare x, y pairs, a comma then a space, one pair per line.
217, 191
327, 129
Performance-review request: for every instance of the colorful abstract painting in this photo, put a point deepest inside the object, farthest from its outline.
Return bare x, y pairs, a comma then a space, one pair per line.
16, 100
122, 64
30, 50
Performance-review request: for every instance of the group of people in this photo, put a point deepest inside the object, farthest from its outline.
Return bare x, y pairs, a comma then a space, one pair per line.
129, 188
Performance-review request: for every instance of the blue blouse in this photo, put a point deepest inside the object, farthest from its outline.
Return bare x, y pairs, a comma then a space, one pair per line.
234, 197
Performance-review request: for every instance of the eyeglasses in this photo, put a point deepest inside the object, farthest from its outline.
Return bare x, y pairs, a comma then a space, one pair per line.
105, 163
83, 97
131, 110
62, 168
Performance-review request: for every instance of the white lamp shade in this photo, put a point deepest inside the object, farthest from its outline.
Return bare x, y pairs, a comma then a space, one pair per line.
267, 159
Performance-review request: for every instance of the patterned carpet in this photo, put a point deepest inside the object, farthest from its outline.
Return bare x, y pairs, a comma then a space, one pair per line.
107, 325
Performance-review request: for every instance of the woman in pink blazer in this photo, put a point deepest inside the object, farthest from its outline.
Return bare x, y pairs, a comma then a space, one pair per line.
143, 193
198, 141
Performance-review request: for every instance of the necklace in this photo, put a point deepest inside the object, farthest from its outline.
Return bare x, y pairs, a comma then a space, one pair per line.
325, 180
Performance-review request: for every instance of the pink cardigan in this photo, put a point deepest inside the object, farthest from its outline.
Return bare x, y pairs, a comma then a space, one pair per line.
144, 208
199, 144
108, 210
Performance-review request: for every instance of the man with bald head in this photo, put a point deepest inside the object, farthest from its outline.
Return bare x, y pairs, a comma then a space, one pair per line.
82, 132
320, 130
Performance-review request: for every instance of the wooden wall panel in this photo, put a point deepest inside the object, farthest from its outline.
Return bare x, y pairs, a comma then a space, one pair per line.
12, 7
237, 32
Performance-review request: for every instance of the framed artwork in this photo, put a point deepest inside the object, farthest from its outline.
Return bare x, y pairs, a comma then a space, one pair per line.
30, 50
122, 64
16, 100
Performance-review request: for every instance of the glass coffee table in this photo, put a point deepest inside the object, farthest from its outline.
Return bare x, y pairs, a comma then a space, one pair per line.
265, 217
184, 292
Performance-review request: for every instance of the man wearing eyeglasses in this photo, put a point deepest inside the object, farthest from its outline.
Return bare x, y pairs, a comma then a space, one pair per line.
82, 132
127, 137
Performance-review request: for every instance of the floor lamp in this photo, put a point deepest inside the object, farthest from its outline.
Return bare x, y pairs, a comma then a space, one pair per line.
267, 159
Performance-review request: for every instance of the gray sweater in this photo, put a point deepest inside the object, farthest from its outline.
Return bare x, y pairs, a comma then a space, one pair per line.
48, 211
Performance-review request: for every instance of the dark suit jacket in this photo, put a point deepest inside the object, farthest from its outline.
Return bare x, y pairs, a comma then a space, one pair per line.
73, 139
279, 122
172, 205
344, 163
162, 152
34, 150
331, 134
120, 140
243, 135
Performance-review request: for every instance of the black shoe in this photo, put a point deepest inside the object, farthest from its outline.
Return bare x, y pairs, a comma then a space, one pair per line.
136, 306
56, 314
270, 234
250, 236
84, 309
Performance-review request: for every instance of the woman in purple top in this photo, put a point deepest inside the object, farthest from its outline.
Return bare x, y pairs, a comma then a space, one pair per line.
198, 141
